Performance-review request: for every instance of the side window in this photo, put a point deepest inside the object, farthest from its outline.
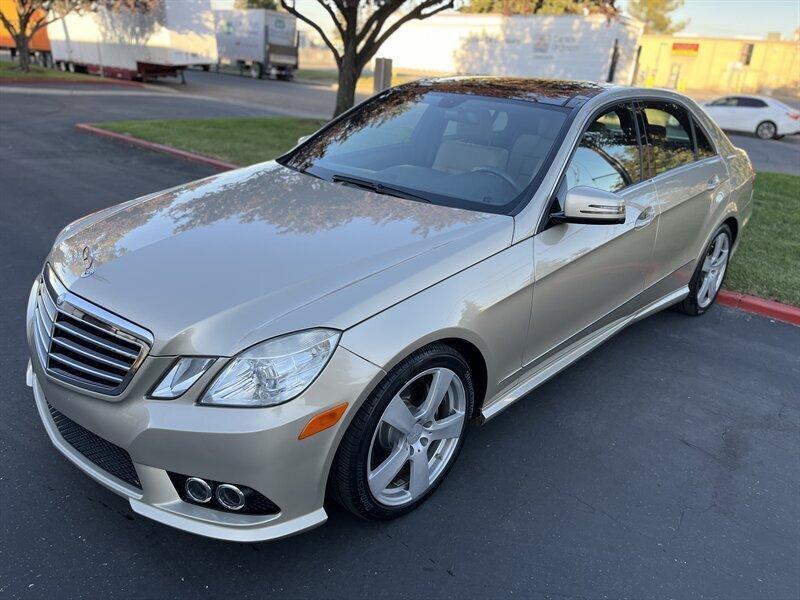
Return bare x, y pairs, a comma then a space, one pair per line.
704, 147
724, 102
669, 136
608, 154
751, 102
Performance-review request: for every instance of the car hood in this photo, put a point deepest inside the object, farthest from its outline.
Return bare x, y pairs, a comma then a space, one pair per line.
216, 265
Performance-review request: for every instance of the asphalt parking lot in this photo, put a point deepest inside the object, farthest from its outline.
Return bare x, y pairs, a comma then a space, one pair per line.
663, 465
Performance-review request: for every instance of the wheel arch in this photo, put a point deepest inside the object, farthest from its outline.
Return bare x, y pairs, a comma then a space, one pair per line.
477, 365
732, 222
462, 342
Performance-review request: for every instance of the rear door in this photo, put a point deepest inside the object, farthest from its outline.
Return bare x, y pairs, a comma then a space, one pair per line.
749, 112
690, 180
584, 273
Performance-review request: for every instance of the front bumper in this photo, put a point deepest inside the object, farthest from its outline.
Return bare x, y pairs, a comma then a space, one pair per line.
255, 447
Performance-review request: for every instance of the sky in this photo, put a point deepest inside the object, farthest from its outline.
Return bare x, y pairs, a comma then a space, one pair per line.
734, 18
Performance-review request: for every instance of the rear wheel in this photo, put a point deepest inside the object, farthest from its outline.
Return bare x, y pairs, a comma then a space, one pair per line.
406, 436
709, 274
256, 70
766, 130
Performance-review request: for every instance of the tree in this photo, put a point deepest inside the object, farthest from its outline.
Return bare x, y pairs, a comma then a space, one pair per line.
360, 30
656, 15
544, 7
33, 15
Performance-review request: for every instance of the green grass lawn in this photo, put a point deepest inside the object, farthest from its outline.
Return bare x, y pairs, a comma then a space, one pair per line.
767, 263
9, 70
242, 141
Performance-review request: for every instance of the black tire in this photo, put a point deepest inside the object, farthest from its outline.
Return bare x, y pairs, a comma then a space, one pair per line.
348, 477
690, 305
767, 130
256, 70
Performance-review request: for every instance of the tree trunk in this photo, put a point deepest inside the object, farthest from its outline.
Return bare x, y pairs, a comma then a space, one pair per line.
23, 52
348, 78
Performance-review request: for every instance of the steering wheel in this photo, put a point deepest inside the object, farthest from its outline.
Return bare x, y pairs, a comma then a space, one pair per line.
498, 173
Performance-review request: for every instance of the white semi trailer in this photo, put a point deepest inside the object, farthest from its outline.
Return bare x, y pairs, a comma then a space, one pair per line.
263, 42
163, 41
585, 47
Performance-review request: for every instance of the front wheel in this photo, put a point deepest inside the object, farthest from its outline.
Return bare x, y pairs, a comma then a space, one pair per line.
256, 70
766, 130
406, 435
709, 274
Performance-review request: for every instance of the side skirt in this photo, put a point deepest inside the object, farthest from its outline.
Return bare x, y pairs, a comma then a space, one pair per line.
572, 353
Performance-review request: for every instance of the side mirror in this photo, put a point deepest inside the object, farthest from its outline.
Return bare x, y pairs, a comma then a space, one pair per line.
592, 206
302, 139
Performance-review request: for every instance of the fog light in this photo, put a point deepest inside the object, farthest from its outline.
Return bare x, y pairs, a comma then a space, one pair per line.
230, 496
198, 490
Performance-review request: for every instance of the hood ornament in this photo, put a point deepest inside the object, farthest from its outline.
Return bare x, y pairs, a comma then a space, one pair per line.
88, 262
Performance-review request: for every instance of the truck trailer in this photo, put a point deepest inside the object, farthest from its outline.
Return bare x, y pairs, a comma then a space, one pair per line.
162, 41
259, 41
585, 47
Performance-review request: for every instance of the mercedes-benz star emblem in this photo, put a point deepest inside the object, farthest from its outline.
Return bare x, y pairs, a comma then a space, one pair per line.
88, 262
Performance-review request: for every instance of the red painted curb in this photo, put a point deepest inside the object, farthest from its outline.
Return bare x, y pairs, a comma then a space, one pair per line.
760, 306
51, 81
190, 156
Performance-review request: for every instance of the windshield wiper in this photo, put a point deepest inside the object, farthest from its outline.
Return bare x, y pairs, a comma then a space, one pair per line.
378, 187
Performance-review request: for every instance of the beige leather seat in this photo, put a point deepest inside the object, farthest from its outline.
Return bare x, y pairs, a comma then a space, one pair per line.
529, 151
458, 157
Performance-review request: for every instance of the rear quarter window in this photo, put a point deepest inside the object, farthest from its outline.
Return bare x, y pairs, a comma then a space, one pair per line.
704, 147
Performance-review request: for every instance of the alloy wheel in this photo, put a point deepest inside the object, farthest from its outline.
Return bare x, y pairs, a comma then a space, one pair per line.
713, 269
766, 130
416, 437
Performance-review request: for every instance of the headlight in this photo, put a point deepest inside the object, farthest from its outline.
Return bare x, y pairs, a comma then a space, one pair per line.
180, 377
274, 371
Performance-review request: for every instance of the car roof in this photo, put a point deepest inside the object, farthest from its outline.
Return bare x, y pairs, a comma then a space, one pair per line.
735, 95
557, 92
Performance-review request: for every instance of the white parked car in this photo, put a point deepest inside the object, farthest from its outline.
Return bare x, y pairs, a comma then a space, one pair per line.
766, 117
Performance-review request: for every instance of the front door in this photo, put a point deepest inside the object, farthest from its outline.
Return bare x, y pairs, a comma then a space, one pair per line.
586, 272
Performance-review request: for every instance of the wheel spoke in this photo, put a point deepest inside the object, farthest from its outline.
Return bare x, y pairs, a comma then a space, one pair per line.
707, 264
703, 293
380, 478
420, 476
716, 250
398, 416
721, 259
449, 427
439, 386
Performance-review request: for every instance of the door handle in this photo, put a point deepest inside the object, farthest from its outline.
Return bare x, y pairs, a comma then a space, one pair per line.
645, 218
713, 182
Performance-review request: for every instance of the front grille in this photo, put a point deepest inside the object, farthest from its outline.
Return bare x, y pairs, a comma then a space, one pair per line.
104, 454
77, 342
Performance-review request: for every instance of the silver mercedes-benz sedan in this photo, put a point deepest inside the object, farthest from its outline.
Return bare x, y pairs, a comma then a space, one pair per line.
228, 353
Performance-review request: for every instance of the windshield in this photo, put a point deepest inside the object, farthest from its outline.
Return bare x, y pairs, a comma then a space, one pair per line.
460, 150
